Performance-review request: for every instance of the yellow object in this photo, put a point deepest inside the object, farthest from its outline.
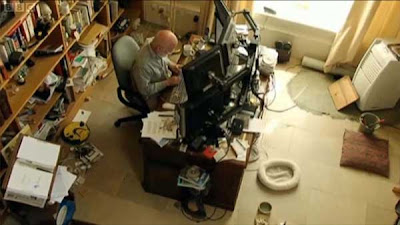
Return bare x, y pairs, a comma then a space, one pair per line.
76, 133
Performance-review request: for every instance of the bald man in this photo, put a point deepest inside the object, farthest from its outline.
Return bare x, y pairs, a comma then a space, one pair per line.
151, 71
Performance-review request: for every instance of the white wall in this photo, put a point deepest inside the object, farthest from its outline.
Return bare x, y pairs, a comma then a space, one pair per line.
306, 40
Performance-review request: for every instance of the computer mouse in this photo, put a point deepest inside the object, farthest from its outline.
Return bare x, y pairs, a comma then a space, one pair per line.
168, 106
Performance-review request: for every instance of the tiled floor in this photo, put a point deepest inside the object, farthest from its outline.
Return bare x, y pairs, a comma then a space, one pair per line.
327, 194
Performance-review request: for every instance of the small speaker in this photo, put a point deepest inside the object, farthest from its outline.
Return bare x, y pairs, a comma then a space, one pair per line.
284, 49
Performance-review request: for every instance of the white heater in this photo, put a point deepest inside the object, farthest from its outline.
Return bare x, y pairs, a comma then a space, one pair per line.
377, 78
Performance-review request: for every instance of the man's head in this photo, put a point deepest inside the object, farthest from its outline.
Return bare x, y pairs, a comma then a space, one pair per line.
164, 43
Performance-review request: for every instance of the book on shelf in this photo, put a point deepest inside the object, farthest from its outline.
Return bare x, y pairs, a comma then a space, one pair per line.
18, 37
89, 7
3, 71
50, 49
2, 120
114, 10
84, 13
5, 107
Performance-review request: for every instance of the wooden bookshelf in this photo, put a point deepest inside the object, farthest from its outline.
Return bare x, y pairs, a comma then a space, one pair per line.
28, 54
7, 27
35, 78
44, 65
41, 110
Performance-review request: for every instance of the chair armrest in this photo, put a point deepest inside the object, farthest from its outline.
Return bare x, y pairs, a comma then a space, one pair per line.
141, 105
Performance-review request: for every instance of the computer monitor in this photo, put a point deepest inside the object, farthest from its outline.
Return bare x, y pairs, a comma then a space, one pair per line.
200, 117
222, 17
199, 73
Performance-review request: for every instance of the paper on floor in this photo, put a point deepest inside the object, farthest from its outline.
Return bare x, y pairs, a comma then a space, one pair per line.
62, 183
82, 116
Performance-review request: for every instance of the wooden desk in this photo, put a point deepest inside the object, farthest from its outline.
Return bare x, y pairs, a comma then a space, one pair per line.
163, 165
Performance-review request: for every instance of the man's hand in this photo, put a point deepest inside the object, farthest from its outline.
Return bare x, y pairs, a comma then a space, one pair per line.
174, 80
176, 68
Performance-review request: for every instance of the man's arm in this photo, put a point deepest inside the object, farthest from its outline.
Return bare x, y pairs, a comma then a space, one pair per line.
142, 79
175, 68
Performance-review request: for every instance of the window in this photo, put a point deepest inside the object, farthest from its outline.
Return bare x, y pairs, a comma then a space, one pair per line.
328, 15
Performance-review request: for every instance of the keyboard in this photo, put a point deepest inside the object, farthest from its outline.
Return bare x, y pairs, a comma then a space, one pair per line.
178, 95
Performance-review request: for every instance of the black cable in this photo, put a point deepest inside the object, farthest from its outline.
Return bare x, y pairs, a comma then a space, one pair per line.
220, 217
268, 104
206, 218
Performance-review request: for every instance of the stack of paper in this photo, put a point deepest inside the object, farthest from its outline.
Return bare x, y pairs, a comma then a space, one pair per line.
62, 184
160, 126
240, 147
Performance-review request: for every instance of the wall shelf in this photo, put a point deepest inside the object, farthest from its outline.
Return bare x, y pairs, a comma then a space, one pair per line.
6, 28
41, 110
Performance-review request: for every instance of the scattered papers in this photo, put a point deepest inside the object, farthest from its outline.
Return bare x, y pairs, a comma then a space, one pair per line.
256, 126
240, 147
160, 126
82, 116
62, 184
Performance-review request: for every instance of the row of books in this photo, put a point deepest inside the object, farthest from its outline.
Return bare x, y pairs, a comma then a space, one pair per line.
5, 108
81, 15
193, 177
21, 34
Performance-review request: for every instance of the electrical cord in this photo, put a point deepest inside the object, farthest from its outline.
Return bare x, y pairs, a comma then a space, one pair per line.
205, 219
273, 84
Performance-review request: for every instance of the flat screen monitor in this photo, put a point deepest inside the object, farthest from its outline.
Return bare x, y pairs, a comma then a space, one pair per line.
222, 18
221, 12
196, 74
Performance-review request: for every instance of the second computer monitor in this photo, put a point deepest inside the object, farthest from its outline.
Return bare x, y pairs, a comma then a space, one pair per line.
196, 74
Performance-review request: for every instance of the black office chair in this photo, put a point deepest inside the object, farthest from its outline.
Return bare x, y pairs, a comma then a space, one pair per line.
123, 56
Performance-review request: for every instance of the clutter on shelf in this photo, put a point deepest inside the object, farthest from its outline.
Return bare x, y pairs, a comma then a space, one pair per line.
193, 177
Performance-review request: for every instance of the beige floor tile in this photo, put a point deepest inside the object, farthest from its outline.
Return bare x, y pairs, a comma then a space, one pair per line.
319, 147
278, 136
379, 216
325, 208
287, 205
381, 194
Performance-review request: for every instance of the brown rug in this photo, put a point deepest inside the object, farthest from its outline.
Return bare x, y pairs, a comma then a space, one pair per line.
365, 152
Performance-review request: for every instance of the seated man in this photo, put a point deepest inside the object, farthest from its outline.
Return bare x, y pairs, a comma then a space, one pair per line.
150, 74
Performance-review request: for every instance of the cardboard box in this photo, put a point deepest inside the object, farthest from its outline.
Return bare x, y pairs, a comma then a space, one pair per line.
39, 153
343, 93
28, 185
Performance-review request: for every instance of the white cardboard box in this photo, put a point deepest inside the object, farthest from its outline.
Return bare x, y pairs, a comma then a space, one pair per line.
28, 185
39, 153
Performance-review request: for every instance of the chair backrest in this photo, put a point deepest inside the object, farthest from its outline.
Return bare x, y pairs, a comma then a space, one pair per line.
123, 56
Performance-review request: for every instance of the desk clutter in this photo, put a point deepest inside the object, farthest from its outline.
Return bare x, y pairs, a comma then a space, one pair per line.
32, 174
160, 127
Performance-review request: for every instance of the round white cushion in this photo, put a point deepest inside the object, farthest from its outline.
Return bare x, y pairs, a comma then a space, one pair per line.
279, 174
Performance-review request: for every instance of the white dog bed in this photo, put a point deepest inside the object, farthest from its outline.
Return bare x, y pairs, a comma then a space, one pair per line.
279, 174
